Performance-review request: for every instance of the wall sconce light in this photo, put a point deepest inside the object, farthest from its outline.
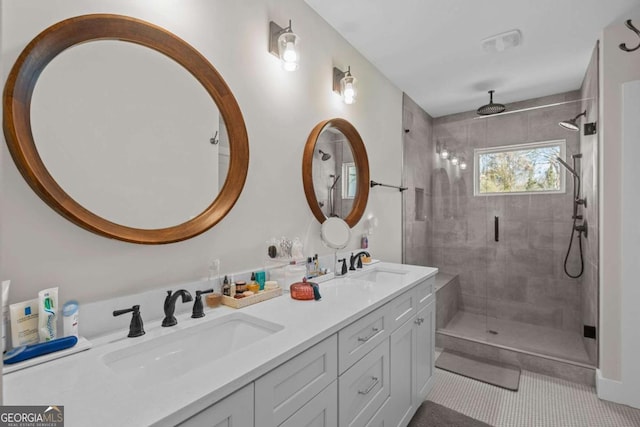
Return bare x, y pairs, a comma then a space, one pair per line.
444, 153
463, 164
345, 84
454, 159
284, 44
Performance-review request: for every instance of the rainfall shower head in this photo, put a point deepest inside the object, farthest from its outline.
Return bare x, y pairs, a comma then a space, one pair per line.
569, 168
325, 156
572, 124
491, 108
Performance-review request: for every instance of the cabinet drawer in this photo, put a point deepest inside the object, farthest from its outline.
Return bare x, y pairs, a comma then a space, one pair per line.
287, 388
424, 293
380, 418
402, 309
234, 410
321, 411
364, 388
357, 339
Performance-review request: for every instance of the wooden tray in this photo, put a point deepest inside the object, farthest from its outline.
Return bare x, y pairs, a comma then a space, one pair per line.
253, 299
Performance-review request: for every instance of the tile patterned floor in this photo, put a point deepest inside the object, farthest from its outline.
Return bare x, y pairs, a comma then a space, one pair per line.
542, 401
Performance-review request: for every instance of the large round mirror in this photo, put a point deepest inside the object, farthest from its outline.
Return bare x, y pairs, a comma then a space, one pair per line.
335, 172
133, 136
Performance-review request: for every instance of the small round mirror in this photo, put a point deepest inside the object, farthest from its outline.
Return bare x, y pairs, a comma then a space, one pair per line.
335, 233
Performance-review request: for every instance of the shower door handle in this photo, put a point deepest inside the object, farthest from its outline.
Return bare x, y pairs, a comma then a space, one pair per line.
496, 228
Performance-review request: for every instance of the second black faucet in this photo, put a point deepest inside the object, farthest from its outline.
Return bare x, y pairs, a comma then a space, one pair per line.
170, 306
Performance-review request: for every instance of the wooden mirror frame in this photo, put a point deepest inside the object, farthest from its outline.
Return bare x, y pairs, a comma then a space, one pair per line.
17, 121
362, 165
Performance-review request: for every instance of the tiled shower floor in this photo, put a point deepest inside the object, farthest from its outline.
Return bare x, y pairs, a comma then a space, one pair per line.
540, 340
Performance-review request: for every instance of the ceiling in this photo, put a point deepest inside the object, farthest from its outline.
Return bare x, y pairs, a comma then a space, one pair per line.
431, 49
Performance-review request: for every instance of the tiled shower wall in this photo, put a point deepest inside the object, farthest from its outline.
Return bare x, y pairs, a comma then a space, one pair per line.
589, 150
418, 166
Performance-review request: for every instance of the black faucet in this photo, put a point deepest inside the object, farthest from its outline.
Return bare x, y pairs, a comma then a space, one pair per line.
170, 306
136, 328
358, 257
198, 309
344, 266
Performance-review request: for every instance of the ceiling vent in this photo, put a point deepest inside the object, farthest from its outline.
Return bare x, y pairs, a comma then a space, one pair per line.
503, 41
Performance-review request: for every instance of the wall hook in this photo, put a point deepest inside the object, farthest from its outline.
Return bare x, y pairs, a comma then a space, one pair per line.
215, 139
630, 26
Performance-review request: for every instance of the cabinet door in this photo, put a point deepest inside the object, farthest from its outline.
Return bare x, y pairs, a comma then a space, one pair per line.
232, 411
321, 411
402, 403
425, 351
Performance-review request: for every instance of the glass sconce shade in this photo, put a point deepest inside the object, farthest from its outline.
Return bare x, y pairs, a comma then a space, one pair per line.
345, 84
289, 50
348, 87
463, 164
454, 159
444, 153
284, 44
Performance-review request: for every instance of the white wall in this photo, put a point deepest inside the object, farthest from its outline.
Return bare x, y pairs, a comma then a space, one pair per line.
39, 248
618, 379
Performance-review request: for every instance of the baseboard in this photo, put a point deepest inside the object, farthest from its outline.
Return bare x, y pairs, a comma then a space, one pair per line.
615, 391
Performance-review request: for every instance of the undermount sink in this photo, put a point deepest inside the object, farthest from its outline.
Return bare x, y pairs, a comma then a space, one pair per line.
181, 351
380, 275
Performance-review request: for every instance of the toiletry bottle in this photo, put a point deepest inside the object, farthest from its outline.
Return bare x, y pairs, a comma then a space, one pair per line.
70, 314
309, 267
253, 286
316, 266
226, 288
364, 242
261, 279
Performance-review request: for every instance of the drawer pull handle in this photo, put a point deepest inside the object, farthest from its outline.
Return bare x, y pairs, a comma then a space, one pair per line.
374, 383
421, 319
374, 331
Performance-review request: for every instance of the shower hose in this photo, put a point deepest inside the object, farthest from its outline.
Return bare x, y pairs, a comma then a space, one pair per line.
576, 192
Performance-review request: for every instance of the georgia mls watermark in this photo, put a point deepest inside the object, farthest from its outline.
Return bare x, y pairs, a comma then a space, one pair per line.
32, 416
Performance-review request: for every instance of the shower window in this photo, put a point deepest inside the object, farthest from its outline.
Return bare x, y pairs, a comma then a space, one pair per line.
349, 184
519, 169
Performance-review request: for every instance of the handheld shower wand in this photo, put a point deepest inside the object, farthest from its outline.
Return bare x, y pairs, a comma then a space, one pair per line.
569, 168
581, 229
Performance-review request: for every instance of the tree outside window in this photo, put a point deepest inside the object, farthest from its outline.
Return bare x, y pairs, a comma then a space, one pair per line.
523, 168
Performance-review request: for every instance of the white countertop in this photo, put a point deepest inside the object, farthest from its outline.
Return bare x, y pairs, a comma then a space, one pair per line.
94, 395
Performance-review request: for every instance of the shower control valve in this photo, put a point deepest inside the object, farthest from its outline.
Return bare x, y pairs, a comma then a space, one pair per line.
581, 229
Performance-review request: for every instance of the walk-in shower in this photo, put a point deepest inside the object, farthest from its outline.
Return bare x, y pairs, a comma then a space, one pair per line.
581, 229
509, 298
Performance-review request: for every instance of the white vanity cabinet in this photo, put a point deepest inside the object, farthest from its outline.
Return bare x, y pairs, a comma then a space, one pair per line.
412, 358
232, 411
374, 372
